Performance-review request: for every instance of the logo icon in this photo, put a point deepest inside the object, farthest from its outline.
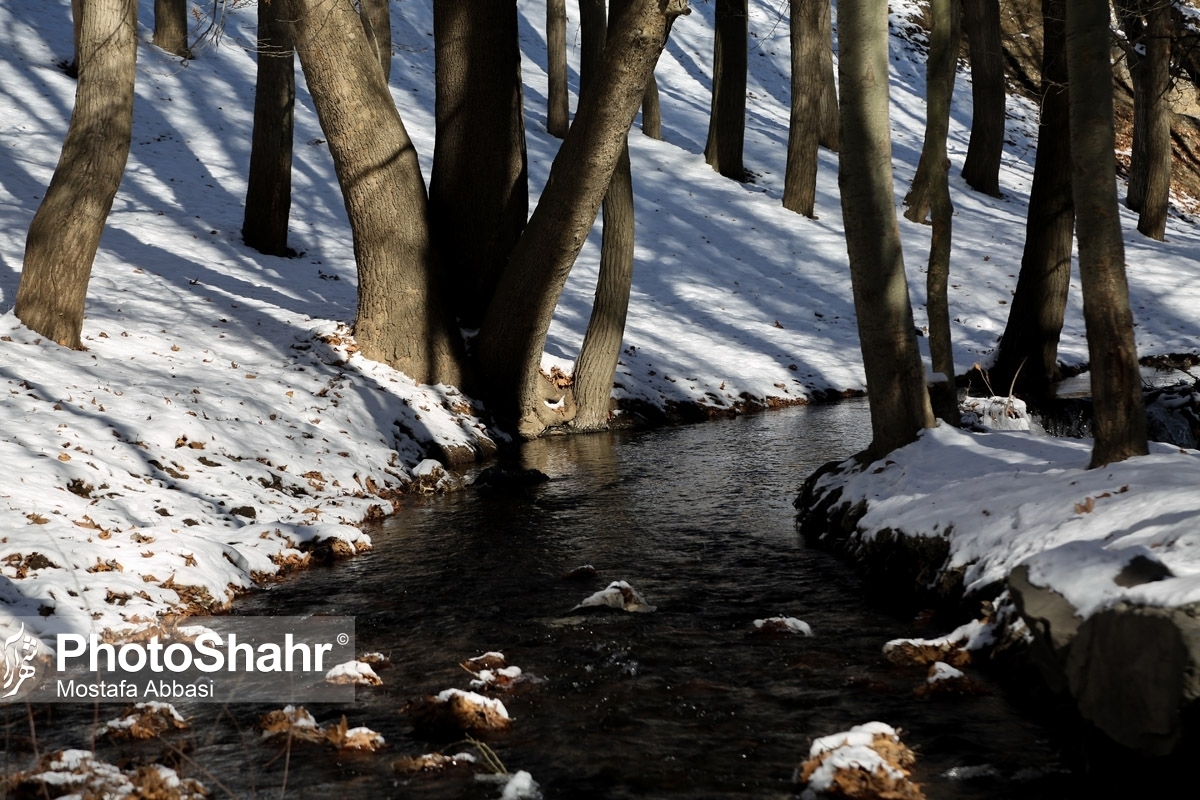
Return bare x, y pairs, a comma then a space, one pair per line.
18, 654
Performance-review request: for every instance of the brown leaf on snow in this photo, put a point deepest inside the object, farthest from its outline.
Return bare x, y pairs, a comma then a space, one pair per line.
37, 519
343, 737
1086, 507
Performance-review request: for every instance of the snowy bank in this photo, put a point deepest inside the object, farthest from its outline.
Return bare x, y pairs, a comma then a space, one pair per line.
1102, 564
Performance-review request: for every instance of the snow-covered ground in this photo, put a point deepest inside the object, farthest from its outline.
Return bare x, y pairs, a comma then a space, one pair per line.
218, 419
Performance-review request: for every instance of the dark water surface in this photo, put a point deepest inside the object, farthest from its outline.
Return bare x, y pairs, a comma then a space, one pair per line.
680, 703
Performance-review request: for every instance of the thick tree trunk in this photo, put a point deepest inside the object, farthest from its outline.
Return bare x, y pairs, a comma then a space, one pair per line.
804, 127
1156, 147
478, 193
558, 113
943, 60
376, 19
939, 86
831, 122
401, 318
895, 375
981, 170
601, 348
513, 335
65, 232
171, 27
269, 188
1028, 357
727, 118
651, 110
1119, 425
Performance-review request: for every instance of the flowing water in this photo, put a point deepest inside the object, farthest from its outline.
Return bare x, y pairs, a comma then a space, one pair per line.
684, 702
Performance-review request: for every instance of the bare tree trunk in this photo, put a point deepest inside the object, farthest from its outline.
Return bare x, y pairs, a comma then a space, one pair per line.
1156, 77
831, 122
558, 114
651, 110
171, 27
895, 375
376, 19
72, 69
1119, 425
269, 187
513, 335
981, 170
601, 348
65, 232
939, 85
478, 193
804, 127
1028, 357
401, 318
727, 119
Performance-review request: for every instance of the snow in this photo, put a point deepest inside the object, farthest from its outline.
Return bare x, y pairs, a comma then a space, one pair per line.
790, 624
474, 699
218, 420
356, 672
941, 671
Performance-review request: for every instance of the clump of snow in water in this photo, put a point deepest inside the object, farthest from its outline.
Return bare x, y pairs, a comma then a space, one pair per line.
617, 594
783, 625
474, 698
78, 773
870, 758
144, 720
358, 673
520, 785
941, 671
430, 476
955, 646
995, 413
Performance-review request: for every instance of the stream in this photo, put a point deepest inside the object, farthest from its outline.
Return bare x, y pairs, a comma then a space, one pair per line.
684, 702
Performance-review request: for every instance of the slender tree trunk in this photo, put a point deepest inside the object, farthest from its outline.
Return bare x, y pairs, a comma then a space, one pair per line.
943, 60
65, 232
981, 170
401, 318
558, 114
513, 335
727, 119
1156, 79
269, 188
72, 69
651, 110
478, 193
376, 19
831, 122
1028, 357
895, 375
1119, 425
170, 27
1135, 29
804, 127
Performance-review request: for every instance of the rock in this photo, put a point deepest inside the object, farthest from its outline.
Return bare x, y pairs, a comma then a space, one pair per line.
617, 594
503, 476
867, 762
454, 712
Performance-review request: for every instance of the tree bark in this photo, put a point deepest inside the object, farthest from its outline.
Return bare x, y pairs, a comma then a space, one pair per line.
171, 27
1028, 357
558, 114
65, 232
401, 318
939, 86
601, 348
1119, 425
269, 187
808, 86
981, 170
72, 69
1156, 144
727, 118
513, 335
376, 19
895, 375
831, 121
651, 110
478, 192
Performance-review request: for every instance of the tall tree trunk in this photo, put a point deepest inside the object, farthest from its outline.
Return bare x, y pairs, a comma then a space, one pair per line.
831, 122
170, 27
1119, 425
1156, 148
513, 335
804, 127
65, 232
401, 318
895, 375
601, 348
478, 193
981, 170
727, 118
943, 60
376, 19
1029, 350
72, 69
1028, 357
269, 188
939, 86
558, 114
1130, 20
651, 110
